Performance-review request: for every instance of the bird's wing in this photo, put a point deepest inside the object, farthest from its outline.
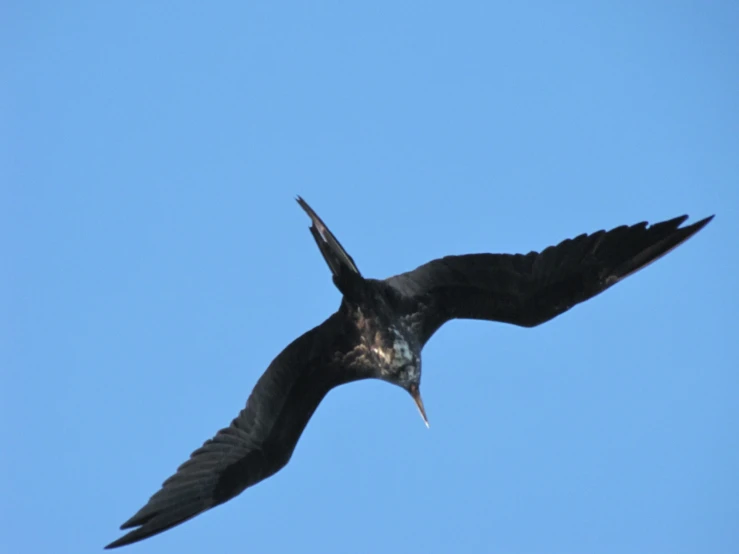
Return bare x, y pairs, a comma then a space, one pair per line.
529, 289
257, 444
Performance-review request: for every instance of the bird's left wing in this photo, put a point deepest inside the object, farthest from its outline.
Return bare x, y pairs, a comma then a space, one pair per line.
257, 444
529, 289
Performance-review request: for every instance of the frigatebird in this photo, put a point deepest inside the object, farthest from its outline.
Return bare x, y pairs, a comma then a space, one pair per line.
378, 332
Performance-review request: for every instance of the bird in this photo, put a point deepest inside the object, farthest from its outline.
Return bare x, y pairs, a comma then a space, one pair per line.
378, 332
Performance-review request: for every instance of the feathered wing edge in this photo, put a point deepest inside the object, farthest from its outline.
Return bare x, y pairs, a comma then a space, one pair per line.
529, 289
675, 236
252, 447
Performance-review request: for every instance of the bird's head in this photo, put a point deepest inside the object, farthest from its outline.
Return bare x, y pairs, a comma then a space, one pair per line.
408, 377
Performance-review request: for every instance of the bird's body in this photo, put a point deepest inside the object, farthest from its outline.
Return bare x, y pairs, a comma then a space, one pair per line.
378, 332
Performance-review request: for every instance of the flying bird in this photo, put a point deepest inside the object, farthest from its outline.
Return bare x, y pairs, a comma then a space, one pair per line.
378, 332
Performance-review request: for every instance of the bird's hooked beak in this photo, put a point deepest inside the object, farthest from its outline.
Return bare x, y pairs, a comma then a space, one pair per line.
416, 394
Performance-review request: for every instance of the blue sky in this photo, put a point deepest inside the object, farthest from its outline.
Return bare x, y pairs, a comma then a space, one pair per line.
156, 262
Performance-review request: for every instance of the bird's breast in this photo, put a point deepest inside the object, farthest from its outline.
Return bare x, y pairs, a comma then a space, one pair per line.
392, 349
382, 342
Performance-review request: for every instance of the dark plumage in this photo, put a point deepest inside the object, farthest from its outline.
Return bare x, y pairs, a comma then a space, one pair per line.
378, 332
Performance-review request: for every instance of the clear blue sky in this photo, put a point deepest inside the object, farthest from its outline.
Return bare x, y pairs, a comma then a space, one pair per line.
155, 262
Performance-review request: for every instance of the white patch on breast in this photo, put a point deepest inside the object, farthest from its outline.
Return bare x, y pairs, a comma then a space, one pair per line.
383, 354
397, 356
402, 354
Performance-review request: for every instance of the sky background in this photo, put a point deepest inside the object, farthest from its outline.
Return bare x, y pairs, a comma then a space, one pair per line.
155, 262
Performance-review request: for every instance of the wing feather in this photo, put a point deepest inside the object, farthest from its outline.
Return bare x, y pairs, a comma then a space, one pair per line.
257, 444
530, 289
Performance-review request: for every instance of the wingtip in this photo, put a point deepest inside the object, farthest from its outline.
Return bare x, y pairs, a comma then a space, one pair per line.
125, 539
132, 522
705, 221
115, 544
693, 228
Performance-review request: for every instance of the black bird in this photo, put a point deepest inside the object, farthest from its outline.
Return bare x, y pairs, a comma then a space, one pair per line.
378, 332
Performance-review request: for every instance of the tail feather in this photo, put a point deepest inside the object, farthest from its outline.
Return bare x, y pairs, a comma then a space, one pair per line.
342, 266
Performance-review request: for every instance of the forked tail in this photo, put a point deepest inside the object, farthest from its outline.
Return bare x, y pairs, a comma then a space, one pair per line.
345, 271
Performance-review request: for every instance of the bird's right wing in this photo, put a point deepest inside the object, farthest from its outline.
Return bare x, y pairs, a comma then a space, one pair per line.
529, 289
257, 444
